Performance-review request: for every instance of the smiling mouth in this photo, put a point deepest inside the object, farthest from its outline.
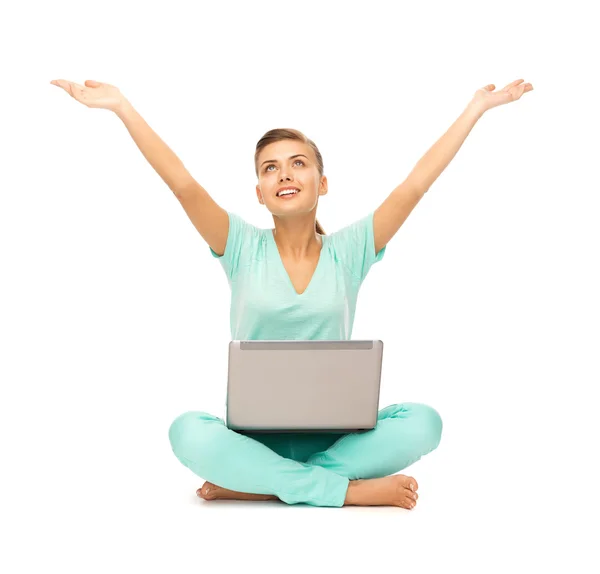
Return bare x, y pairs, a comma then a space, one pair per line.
286, 195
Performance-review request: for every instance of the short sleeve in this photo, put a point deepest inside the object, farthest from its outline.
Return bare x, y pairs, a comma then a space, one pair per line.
355, 246
240, 240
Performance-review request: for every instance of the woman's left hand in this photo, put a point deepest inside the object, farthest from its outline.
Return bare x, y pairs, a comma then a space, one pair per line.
485, 98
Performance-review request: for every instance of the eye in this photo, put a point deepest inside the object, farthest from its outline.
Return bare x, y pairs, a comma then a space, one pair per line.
273, 165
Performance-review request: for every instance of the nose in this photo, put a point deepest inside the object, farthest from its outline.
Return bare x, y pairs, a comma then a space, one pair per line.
284, 177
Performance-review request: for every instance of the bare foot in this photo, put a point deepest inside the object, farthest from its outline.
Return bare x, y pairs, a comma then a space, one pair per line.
210, 491
394, 490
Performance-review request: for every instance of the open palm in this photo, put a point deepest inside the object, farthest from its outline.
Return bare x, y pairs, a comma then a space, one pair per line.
486, 98
93, 94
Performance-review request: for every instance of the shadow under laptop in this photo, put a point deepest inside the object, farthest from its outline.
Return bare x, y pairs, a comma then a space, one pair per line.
296, 446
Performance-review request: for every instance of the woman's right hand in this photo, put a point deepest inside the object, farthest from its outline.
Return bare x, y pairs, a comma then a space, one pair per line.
94, 94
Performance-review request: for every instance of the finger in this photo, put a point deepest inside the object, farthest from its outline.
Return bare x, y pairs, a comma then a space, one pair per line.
518, 91
60, 83
512, 84
76, 89
72, 88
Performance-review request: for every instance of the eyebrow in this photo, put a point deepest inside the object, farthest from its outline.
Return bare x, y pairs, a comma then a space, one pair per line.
275, 161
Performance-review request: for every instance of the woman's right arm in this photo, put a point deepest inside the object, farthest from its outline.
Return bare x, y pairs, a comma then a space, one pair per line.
154, 149
211, 220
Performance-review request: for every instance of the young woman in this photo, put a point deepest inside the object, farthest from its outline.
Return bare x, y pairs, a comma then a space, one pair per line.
296, 282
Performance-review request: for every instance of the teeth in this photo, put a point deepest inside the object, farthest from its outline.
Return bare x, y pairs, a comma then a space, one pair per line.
287, 192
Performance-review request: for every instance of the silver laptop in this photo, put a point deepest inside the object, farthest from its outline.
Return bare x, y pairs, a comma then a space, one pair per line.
303, 386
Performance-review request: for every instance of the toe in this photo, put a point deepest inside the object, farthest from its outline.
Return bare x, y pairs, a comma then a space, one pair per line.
410, 483
208, 494
412, 496
207, 490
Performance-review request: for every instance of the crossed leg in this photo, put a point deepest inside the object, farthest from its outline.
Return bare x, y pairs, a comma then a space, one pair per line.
353, 470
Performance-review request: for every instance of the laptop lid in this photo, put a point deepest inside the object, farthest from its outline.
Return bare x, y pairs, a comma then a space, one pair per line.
303, 386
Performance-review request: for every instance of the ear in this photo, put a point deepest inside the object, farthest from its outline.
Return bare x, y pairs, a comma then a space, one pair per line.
259, 194
323, 186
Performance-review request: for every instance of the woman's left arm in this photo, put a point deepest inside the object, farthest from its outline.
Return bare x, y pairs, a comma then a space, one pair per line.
435, 161
392, 213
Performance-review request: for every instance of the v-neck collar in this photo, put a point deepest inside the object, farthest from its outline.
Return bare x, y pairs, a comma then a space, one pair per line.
277, 255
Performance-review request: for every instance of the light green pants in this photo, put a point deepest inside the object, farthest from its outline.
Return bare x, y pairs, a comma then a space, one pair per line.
310, 468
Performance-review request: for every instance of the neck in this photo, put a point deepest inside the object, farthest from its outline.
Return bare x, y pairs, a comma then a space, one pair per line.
296, 239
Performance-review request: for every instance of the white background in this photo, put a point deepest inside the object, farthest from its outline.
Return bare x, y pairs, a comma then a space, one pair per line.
115, 317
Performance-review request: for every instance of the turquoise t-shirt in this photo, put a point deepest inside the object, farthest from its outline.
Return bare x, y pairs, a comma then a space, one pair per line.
264, 303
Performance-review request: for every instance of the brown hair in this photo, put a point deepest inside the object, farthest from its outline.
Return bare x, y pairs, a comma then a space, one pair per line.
279, 134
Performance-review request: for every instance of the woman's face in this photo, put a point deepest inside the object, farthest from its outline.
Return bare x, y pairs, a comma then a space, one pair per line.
289, 163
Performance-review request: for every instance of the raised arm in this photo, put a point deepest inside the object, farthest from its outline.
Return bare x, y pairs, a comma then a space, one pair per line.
392, 213
211, 220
